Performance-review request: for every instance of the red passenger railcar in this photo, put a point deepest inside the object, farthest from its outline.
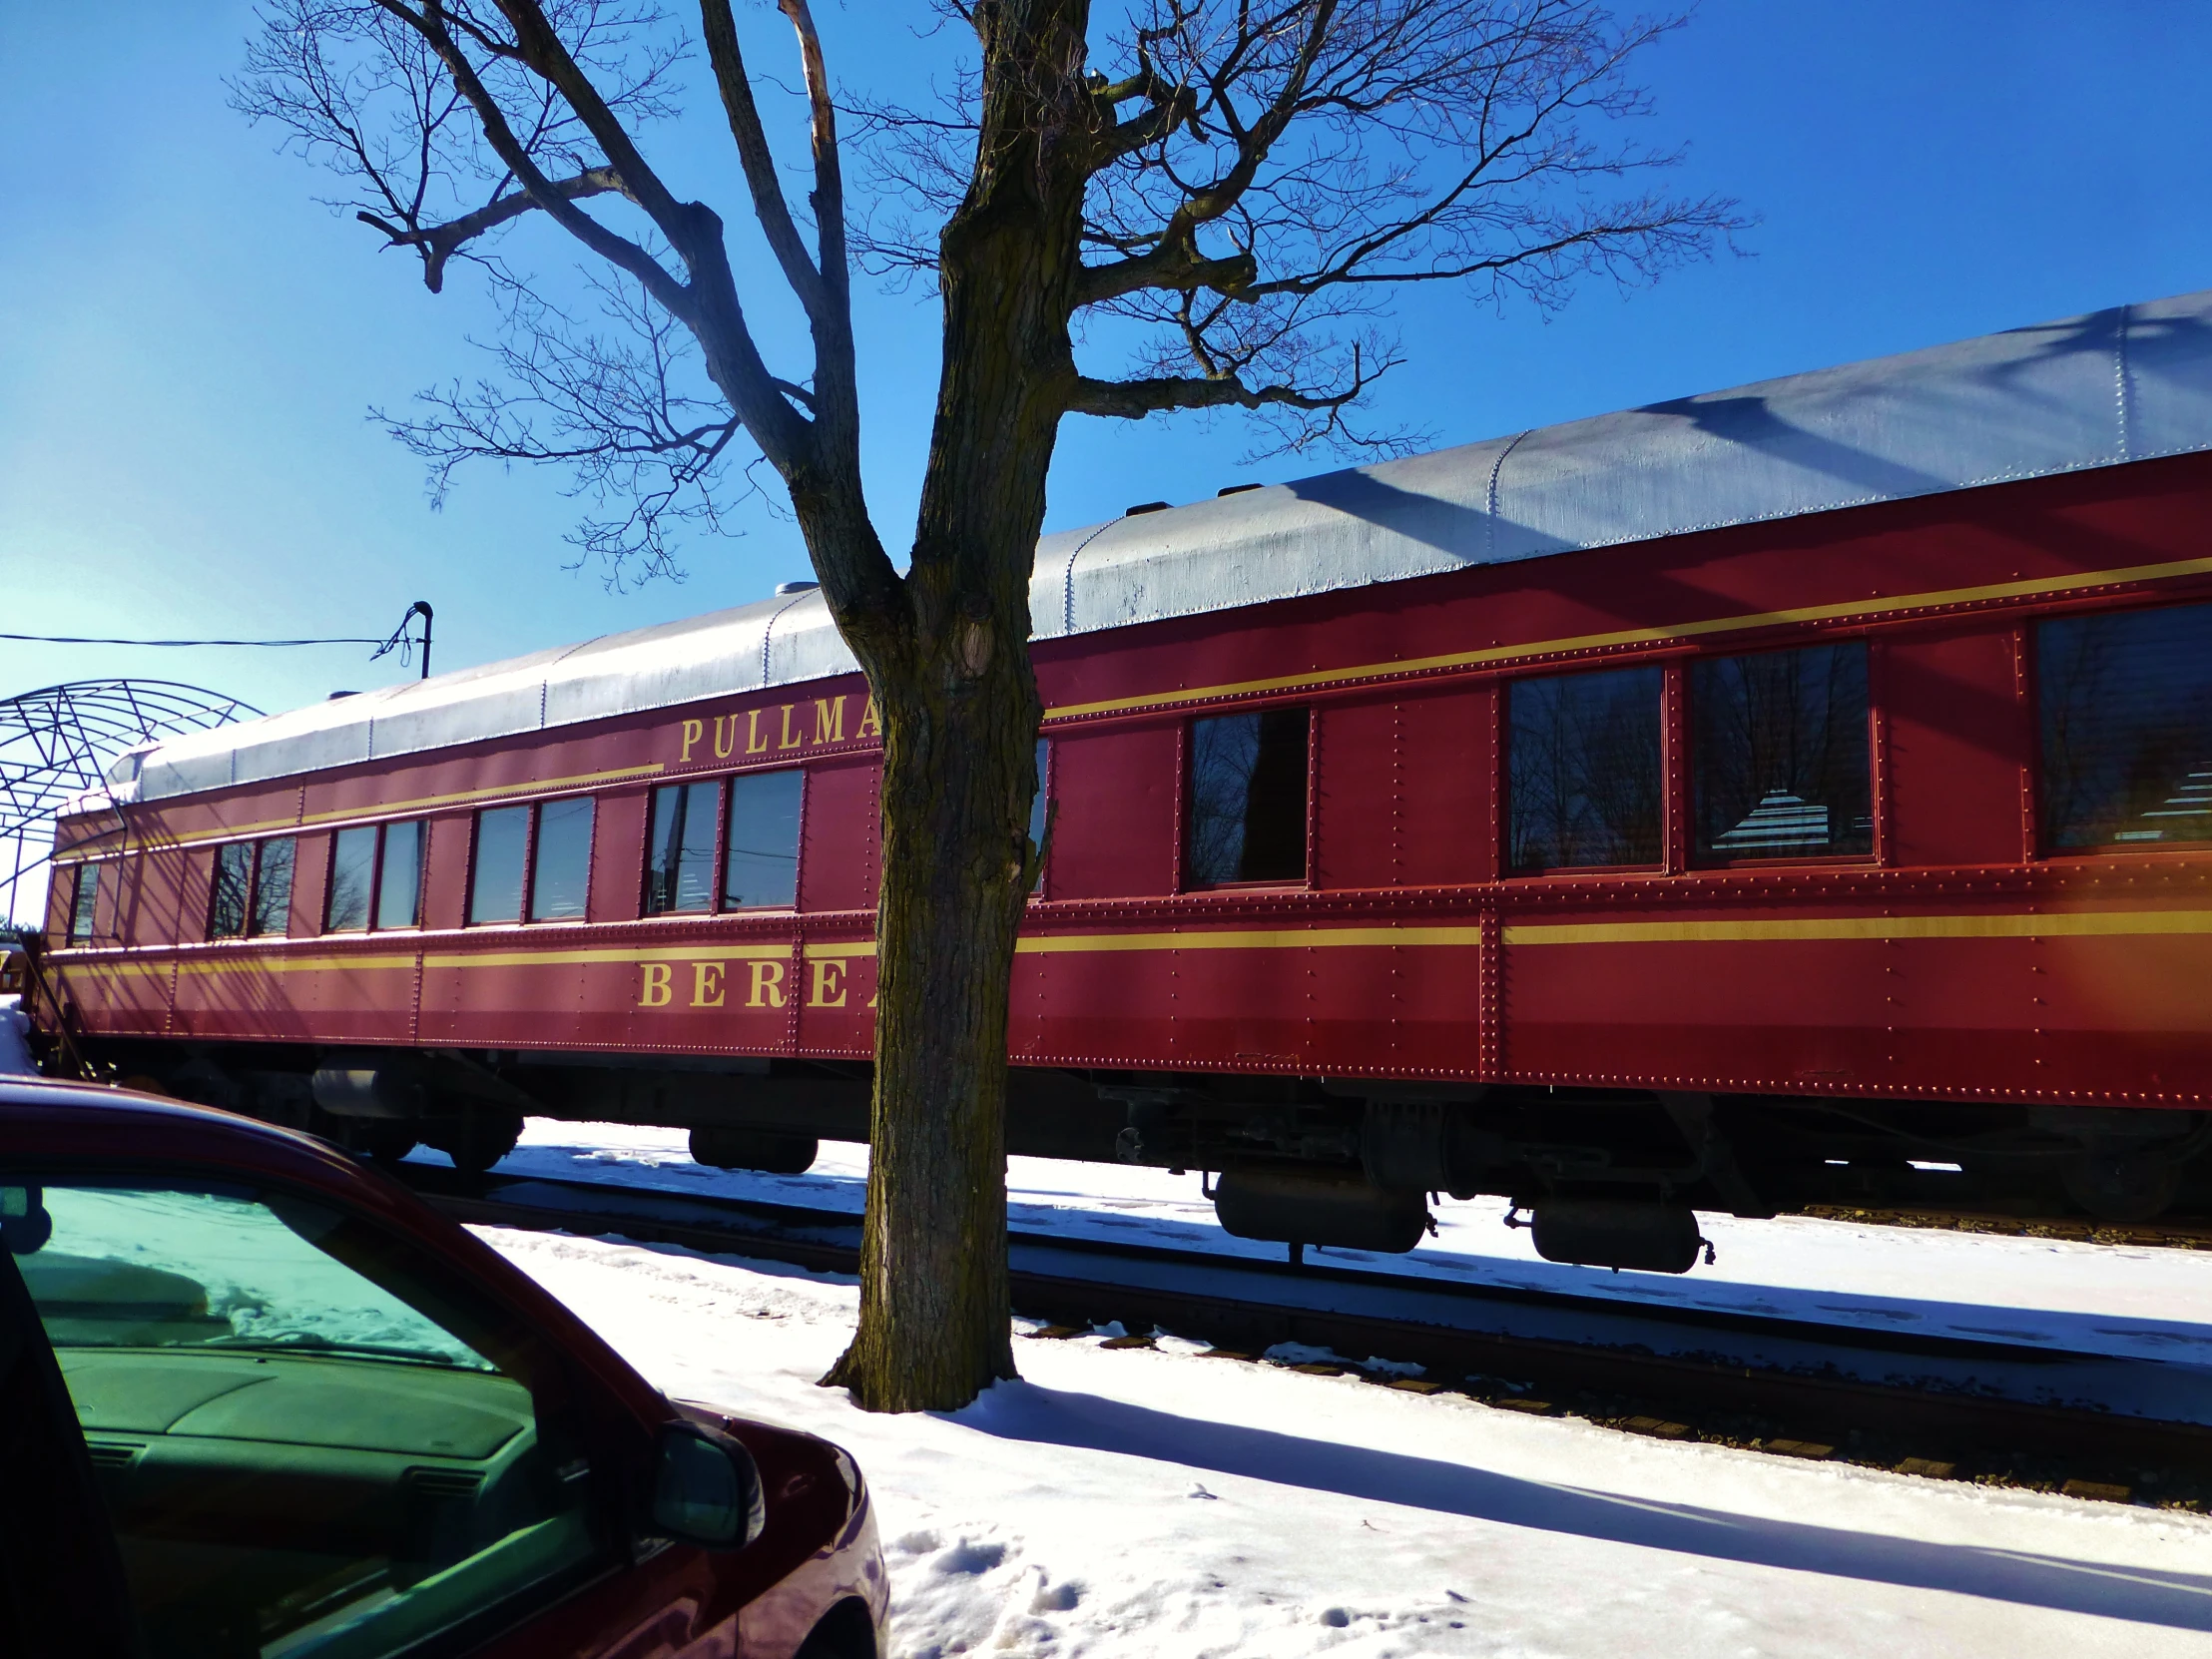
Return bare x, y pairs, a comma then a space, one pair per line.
1795, 794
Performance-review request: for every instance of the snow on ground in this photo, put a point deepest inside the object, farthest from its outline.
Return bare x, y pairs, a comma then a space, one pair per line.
1132, 1503
2086, 1298
15, 1052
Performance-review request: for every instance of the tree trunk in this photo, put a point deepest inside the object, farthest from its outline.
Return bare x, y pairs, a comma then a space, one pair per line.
960, 712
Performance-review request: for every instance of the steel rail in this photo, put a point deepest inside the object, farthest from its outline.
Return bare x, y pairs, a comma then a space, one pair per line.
1942, 1399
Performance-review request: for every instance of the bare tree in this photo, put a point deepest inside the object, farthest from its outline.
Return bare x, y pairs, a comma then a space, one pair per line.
1233, 198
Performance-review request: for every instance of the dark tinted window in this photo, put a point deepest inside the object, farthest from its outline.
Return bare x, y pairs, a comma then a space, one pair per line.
234, 882
399, 885
2127, 728
763, 866
1779, 752
560, 880
84, 902
495, 889
1583, 757
1247, 797
353, 876
679, 850
272, 888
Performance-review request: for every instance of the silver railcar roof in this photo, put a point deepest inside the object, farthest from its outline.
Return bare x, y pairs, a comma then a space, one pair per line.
2127, 385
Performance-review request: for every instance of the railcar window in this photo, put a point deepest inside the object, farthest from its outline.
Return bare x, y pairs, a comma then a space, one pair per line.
1040, 804
399, 877
560, 877
83, 904
761, 869
2127, 728
680, 848
352, 878
1583, 764
1247, 797
272, 910
234, 884
495, 887
1779, 754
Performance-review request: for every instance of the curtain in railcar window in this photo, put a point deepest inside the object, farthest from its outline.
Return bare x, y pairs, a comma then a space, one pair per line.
83, 904
495, 889
679, 850
353, 876
1247, 797
762, 870
560, 880
272, 912
1779, 754
1584, 776
234, 884
400, 881
2127, 726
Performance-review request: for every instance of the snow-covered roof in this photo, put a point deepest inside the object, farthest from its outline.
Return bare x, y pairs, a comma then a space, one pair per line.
2117, 385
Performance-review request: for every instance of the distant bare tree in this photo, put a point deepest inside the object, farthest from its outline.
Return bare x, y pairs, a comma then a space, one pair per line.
1238, 193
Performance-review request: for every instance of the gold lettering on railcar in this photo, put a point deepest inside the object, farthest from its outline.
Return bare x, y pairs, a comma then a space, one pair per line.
827, 987
826, 726
706, 985
655, 992
768, 985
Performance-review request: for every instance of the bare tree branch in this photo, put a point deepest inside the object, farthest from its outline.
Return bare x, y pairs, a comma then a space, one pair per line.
1298, 159
751, 138
438, 242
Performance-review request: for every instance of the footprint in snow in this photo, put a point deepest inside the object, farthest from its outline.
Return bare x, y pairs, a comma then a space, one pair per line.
970, 1558
1056, 1598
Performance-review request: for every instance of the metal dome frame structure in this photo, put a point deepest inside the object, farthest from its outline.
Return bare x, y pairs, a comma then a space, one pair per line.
59, 740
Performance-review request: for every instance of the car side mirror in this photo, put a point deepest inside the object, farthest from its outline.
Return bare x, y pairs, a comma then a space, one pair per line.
25, 1224
706, 1489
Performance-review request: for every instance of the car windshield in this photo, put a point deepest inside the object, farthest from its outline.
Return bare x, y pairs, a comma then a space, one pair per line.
314, 1435
253, 1279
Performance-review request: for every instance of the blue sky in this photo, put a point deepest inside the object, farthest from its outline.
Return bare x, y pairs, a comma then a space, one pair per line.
189, 344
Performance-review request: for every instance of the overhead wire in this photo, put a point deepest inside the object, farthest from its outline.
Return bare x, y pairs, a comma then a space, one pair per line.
398, 640
83, 639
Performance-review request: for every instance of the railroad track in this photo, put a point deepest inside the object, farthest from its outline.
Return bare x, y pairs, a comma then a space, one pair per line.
1992, 1412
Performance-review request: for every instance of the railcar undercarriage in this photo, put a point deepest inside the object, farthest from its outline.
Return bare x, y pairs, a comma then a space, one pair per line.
1610, 1178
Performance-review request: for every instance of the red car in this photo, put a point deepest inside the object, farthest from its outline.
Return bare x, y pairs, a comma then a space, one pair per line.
257, 1400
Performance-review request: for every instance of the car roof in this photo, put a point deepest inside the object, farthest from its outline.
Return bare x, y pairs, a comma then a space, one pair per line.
57, 1118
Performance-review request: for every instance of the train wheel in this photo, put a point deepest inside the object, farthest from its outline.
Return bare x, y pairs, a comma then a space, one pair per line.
385, 1142
755, 1149
201, 1083
2122, 1187
477, 1140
